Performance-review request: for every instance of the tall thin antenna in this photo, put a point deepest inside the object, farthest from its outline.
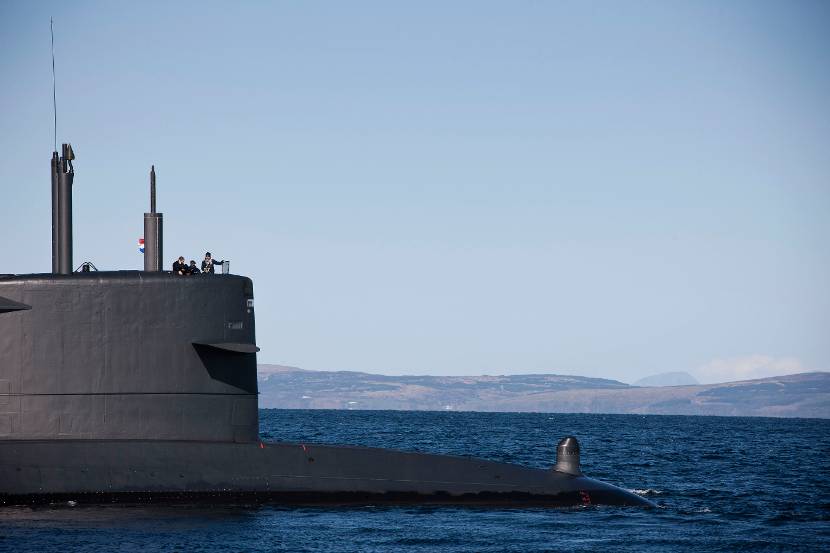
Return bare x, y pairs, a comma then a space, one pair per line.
54, 94
152, 189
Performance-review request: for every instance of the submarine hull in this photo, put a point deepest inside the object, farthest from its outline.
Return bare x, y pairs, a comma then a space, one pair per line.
141, 386
38, 471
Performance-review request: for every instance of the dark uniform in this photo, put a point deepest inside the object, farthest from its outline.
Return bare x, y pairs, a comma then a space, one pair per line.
207, 265
180, 267
193, 269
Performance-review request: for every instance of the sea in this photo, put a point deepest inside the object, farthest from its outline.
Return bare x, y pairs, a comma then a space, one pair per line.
720, 483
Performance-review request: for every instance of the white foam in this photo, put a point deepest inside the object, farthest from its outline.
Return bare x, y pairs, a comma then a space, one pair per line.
647, 491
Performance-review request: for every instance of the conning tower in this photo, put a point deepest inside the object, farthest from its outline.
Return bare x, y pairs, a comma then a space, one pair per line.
124, 354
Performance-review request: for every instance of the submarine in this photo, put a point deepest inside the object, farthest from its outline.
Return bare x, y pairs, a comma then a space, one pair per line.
140, 386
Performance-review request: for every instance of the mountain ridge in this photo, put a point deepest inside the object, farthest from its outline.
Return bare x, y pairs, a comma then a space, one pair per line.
799, 395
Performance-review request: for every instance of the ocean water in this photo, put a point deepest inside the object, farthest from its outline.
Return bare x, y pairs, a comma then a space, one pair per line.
722, 484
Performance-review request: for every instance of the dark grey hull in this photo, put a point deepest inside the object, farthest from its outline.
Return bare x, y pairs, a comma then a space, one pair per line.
37, 471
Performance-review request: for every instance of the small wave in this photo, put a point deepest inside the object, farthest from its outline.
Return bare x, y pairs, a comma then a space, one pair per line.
645, 492
417, 540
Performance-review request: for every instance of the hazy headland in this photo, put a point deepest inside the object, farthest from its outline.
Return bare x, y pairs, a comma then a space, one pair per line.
797, 395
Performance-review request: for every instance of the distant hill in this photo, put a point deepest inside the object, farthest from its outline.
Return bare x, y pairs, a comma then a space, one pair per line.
668, 379
799, 395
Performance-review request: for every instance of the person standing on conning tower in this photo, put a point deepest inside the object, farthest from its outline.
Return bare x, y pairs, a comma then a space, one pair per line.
208, 263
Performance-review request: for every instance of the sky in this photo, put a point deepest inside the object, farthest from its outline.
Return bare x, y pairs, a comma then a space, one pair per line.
609, 189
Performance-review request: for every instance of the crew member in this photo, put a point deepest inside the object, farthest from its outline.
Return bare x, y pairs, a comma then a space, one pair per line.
208, 263
180, 267
193, 269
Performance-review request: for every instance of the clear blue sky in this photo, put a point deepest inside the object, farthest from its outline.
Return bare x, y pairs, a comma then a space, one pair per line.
610, 188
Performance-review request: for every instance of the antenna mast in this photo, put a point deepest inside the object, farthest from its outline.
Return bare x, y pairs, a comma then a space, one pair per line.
153, 227
54, 94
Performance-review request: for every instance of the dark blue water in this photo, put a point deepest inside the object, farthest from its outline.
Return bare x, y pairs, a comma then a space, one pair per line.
723, 484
